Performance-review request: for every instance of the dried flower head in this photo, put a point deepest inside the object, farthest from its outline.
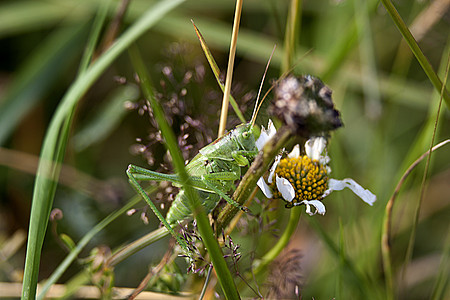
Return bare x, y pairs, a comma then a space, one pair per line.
304, 104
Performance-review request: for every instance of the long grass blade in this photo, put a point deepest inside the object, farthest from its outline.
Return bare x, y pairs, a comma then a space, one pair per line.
62, 267
205, 230
48, 172
426, 66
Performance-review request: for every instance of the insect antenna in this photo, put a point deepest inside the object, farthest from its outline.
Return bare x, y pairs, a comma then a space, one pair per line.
284, 75
256, 109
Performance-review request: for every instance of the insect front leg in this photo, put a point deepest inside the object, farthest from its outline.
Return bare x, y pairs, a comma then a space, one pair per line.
241, 157
134, 174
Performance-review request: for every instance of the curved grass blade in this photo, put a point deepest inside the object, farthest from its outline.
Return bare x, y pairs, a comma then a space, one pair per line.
62, 267
55, 139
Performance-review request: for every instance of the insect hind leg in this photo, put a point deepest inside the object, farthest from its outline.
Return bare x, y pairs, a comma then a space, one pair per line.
225, 196
131, 173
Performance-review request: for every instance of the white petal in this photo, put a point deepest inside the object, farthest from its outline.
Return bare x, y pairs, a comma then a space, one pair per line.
324, 160
271, 131
338, 185
314, 147
262, 140
264, 188
318, 205
273, 168
285, 188
265, 135
295, 152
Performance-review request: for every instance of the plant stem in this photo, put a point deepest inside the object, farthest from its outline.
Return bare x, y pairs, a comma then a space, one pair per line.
294, 218
226, 93
259, 166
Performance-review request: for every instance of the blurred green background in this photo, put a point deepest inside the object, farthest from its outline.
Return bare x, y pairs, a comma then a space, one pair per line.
387, 103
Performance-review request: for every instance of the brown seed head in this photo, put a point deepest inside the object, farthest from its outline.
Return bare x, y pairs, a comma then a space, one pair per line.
304, 104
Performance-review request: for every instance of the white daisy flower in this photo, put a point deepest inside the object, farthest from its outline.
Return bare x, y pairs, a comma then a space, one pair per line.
303, 179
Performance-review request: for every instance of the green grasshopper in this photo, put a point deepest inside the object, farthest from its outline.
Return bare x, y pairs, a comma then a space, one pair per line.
213, 172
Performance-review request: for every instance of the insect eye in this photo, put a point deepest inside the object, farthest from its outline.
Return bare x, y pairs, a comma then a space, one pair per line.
245, 134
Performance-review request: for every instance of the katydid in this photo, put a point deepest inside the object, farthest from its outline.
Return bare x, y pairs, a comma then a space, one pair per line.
213, 172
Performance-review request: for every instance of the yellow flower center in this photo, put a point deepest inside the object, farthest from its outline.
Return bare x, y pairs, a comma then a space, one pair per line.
308, 177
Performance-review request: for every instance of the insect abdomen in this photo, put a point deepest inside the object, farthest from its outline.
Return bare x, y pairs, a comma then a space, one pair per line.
181, 210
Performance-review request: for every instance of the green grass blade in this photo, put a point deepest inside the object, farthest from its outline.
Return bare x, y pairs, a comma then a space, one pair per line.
442, 277
62, 267
423, 61
94, 35
205, 230
216, 71
21, 16
47, 174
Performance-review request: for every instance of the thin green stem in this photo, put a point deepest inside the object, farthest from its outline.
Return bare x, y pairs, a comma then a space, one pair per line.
292, 35
62, 267
423, 61
294, 218
139, 244
94, 35
248, 183
229, 78
386, 230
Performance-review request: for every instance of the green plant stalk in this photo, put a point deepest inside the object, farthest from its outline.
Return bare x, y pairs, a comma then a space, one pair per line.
48, 172
94, 35
292, 35
442, 277
423, 61
410, 249
229, 77
294, 218
205, 230
248, 183
62, 267
386, 229
130, 249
